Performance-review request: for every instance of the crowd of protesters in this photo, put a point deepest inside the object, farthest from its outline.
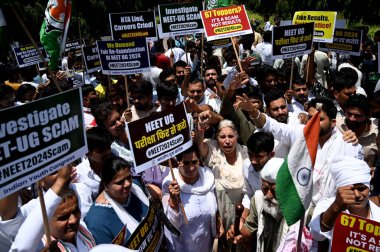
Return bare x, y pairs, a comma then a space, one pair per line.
245, 117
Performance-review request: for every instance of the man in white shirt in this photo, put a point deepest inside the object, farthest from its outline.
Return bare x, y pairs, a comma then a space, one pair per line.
300, 96
265, 48
196, 92
331, 142
260, 149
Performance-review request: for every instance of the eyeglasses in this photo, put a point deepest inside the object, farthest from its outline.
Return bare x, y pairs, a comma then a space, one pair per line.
198, 91
192, 162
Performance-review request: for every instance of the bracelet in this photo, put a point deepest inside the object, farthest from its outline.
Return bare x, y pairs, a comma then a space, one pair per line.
324, 224
257, 117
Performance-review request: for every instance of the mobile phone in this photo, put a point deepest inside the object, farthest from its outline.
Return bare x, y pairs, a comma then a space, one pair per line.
343, 127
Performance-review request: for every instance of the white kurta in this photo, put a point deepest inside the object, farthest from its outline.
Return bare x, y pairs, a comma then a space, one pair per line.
200, 206
321, 207
323, 184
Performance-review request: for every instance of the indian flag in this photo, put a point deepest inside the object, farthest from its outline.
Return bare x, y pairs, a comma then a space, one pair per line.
54, 29
294, 182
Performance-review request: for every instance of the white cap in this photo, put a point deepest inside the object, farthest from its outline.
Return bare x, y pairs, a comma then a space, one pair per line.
270, 170
347, 170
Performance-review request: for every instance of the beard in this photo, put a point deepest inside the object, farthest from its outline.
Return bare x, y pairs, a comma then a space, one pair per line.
354, 124
282, 118
180, 79
211, 84
271, 207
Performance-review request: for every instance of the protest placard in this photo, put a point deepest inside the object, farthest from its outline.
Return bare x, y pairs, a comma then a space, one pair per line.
140, 24
354, 233
324, 23
292, 40
225, 22
147, 235
125, 56
158, 137
345, 41
75, 45
220, 43
28, 55
180, 19
91, 58
39, 138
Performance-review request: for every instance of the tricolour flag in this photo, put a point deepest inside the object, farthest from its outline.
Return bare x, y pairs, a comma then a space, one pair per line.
294, 182
212, 4
57, 18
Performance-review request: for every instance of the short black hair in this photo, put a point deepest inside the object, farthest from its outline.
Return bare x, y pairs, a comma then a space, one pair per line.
350, 74
142, 87
260, 141
273, 95
267, 36
166, 73
6, 91
179, 63
341, 81
86, 89
327, 106
263, 72
298, 80
359, 101
166, 89
101, 109
98, 139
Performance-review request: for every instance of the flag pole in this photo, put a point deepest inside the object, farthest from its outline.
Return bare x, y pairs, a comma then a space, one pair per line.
35, 46
299, 239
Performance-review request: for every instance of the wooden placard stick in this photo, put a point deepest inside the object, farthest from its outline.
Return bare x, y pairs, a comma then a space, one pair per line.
171, 53
202, 48
179, 198
126, 90
291, 74
236, 53
44, 214
187, 58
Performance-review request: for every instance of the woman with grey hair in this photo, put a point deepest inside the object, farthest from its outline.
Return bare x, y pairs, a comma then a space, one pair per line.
225, 157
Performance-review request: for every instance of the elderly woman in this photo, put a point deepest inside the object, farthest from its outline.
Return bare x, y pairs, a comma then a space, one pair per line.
121, 202
225, 157
194, 185
67, 231
352, 178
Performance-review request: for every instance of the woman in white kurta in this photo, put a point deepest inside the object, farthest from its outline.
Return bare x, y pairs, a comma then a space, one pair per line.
194, 185
226, 158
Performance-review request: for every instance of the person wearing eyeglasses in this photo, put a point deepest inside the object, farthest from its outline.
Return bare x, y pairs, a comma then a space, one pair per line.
194, 187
